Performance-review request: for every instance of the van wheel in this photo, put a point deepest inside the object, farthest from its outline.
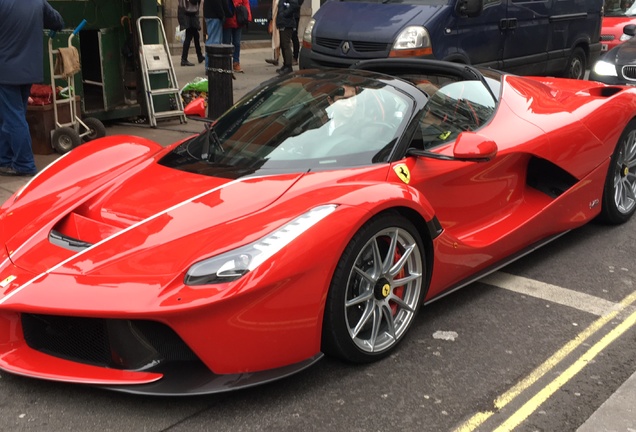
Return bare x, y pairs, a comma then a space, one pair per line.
577, 64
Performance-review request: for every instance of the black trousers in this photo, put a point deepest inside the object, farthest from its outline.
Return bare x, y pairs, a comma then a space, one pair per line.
286, 45
295, 42
191, 34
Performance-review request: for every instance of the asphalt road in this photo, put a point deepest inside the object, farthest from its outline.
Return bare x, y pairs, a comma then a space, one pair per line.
538, 346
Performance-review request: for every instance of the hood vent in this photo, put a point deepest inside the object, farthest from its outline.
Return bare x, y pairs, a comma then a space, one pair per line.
70, 243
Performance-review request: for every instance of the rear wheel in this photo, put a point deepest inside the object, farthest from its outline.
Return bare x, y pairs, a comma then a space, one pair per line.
376, 291
619, 195
96, 129
577, 64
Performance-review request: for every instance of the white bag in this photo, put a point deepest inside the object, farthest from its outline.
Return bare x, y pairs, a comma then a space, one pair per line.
179, 35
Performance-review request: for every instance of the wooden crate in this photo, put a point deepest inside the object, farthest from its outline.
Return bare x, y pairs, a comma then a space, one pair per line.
41, 121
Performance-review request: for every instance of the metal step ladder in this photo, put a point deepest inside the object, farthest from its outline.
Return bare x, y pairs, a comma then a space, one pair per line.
156, 60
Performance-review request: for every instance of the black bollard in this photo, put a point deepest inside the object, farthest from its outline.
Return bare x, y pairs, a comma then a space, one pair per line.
219, 72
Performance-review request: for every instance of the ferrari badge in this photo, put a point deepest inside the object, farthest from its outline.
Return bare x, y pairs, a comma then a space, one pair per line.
402, 172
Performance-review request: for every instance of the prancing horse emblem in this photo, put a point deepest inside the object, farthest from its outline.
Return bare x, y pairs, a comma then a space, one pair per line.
402, 172
346, 47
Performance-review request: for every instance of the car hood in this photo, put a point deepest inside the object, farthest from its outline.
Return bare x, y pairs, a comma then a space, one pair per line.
137, 218
342, 20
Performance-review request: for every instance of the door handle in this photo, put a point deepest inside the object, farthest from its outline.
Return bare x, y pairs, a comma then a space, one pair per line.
507, 24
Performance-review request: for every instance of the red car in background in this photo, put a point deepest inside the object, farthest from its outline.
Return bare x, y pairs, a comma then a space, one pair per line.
617, 14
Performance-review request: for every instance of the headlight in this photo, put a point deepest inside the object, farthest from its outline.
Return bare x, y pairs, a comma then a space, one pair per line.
625, 37
232, 265
413, 41
307, 35
604, 68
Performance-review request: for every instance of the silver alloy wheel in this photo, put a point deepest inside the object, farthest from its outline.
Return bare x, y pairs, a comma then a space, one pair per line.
383, 289
625, 175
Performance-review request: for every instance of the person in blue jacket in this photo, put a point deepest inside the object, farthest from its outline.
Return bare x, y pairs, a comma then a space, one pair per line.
21, 60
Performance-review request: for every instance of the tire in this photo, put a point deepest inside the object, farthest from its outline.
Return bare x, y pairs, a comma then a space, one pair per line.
577, 64
65, 139
96, 129
373, 302
619, 193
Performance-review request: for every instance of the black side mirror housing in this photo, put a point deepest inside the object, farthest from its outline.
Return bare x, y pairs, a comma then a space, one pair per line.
470, 8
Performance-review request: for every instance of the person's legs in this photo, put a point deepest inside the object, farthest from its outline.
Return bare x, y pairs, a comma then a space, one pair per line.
286, 48
227, 36
186, 48
15, 138
295, 43
236, 41
197, 45
215, 34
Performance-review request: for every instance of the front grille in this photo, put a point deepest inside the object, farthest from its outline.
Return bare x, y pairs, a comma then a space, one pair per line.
606, 38
358, 46
369, 46
328, 43
629, 72
118, 344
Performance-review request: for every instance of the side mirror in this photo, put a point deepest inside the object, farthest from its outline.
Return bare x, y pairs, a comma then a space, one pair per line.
470, 8
471, 146
630, 29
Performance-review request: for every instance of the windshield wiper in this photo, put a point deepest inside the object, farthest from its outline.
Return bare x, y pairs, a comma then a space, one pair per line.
206, 154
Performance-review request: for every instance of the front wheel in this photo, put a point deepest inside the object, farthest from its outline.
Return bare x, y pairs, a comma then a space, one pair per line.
65, 139
619, 193
376, 291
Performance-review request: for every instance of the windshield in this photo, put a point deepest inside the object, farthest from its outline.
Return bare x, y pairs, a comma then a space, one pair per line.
310, 121
619, 8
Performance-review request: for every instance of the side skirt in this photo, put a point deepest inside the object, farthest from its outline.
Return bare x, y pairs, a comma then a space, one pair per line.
495, 267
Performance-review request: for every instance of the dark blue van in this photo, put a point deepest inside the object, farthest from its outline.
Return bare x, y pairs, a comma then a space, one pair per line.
545, 37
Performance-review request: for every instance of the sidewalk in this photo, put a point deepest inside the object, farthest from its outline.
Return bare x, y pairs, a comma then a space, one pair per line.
617, 414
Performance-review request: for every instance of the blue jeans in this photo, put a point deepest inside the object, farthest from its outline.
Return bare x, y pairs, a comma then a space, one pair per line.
233, 36
215, 34
15, 138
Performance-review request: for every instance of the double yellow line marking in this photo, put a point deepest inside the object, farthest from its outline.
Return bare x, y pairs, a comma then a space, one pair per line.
542, 395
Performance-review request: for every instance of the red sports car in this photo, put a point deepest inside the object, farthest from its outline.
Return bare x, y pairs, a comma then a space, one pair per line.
315, 216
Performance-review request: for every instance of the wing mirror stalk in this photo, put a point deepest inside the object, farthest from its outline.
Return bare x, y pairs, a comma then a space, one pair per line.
469, 147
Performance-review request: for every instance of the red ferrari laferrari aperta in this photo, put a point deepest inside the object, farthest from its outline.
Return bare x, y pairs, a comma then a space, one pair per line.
315, 216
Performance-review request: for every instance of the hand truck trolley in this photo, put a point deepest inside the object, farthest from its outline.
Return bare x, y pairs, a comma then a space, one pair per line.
66, 136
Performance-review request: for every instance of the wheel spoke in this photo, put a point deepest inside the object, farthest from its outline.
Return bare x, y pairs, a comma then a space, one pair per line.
399, 265
367, 277
390, 322
377, 258
407, 279
364, 297
375, 331
388, 260
364, 319
400, 302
